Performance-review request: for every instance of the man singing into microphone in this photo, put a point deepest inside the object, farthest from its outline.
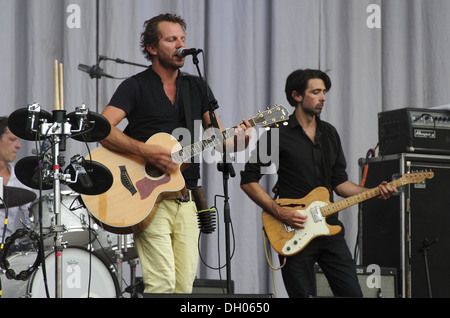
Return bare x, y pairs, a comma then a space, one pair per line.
162, 99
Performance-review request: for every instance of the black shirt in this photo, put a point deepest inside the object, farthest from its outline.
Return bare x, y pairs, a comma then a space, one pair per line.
300, 165
150, 111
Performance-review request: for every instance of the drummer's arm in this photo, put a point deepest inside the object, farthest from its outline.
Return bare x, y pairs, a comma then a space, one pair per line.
117, 141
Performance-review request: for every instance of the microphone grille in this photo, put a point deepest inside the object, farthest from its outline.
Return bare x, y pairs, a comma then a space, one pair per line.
207, 221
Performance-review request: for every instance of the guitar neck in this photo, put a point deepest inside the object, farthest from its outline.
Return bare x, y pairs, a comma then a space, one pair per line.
358, 198
198, 147
266, 119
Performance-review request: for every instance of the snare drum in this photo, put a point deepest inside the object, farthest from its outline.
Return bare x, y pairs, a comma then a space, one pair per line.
74, 218
84, 275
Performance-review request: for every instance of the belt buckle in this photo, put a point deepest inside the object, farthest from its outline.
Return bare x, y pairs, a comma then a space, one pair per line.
186, 197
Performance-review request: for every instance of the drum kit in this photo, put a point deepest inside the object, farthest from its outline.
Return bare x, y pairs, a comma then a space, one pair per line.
80, 258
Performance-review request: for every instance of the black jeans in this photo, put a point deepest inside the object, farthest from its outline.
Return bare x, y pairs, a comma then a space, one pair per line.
334, 258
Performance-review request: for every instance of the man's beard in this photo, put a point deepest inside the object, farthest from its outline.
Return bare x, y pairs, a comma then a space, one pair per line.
169, 64
313, 112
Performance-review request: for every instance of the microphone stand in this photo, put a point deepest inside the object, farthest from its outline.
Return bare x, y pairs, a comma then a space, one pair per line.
426, 245
227, 171
120, 61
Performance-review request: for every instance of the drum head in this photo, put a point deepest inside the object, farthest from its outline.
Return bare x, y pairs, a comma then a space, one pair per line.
84, 275
17, 123
98, 127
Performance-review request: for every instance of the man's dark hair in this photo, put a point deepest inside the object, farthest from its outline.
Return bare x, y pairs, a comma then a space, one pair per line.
298, 81
151, 34
3, 125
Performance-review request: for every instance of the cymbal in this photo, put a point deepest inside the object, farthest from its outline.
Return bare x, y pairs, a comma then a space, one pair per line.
17, 123
97, 179
27, 171
96, 131
16, 197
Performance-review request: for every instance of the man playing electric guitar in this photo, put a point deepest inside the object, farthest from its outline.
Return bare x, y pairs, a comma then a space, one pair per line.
310, 156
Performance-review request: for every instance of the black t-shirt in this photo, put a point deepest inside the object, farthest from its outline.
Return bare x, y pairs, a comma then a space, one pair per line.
149, 110
300, 165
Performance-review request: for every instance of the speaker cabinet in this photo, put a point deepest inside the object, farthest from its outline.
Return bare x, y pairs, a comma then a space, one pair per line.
408, 232
200, 287
382, 286
212, 286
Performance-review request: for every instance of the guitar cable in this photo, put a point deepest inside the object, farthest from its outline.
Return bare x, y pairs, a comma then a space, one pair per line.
370, 153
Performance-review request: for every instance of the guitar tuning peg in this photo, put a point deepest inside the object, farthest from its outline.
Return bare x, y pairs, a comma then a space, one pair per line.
267, 108
285, 123
267, 128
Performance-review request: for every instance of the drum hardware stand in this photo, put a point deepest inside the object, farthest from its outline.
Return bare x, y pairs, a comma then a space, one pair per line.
118, 255
58, 129
133, 265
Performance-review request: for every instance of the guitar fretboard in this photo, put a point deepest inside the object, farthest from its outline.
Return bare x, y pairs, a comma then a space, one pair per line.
265, 119
358, 198
198, 147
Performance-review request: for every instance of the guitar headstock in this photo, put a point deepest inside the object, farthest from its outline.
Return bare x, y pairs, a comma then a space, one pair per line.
416, 177
271, 117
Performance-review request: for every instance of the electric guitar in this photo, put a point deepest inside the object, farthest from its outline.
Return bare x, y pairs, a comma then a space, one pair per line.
130, 203
288, 241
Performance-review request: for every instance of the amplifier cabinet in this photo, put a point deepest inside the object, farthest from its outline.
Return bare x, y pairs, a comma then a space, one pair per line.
414, 130
394, 232
382, 286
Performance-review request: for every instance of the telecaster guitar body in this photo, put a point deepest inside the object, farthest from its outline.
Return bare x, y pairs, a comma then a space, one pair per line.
316, 205
286, 240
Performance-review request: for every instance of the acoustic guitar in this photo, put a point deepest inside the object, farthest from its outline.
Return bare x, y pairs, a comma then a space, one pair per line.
137, 189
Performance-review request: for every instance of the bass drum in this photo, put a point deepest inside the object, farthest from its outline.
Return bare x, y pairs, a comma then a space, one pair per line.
84, 275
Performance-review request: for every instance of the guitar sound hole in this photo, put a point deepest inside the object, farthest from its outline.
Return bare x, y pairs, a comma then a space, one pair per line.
153, 172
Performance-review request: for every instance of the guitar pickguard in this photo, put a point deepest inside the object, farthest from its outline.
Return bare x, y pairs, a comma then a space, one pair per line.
146, 186
314, 226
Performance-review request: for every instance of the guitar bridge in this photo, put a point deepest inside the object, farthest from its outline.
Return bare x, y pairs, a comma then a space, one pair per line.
126, 181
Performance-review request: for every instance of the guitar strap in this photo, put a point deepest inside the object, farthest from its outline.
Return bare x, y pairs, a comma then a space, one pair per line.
187, 105
324, 145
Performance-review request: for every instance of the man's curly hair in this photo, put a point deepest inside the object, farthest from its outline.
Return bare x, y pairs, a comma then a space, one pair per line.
151, 34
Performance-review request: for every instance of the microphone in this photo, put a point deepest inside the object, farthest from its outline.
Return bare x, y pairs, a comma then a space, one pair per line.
183, 52
206, 217
94, 71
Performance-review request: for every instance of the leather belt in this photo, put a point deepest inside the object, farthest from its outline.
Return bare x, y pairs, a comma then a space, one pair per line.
187, 197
